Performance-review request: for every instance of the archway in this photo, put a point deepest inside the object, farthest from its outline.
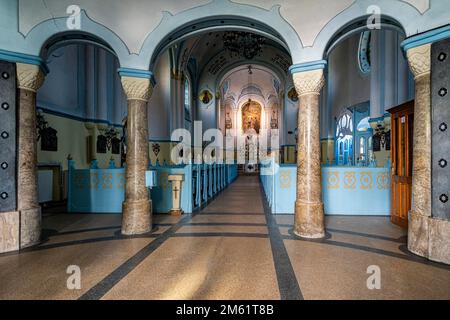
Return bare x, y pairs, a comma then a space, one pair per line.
80, 108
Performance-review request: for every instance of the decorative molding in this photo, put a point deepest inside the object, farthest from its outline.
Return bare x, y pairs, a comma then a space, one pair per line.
137, 88
308, 66
419, 59
17, 57
136, 73
29, 77
309, 82
426, 38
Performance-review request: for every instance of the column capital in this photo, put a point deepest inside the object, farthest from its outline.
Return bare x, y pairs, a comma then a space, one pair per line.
137, 88
29, 77
419, 60
309, 82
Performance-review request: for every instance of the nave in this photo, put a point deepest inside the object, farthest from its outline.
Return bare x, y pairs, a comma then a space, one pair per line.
231, 249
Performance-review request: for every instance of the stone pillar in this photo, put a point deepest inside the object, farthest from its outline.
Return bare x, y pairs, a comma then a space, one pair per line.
137, 208
419, 59
309, 214
29, 80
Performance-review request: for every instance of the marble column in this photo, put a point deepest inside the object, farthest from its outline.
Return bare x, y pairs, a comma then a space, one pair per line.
137, 208
29, 80
419, 59
309, 214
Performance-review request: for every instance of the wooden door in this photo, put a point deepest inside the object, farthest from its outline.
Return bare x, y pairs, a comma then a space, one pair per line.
402, 121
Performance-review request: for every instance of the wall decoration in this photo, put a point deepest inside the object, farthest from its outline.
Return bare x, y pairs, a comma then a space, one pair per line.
101, 144
228, 122
47, 135
94, 181
364, 53
49, 140
333, 180
251, 116
206, 96
106, 181
115, 145
274, 120
383, 181
366, 180
349, 180
381, 139
156, 148
285, 179
121, 180
293, 95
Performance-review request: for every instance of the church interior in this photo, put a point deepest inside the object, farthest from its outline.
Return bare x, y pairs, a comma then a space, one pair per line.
230, 150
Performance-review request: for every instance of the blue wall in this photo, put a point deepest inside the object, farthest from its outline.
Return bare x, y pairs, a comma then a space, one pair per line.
345, 190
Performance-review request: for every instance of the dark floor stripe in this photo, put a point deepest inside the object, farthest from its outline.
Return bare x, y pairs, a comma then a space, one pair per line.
230, 214
287, 281
220, 234
405, 256
84, 230
368, 235
232, 224
101, 288
359, 234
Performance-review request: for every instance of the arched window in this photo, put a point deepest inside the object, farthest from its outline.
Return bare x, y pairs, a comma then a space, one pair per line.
344, 139
187, 100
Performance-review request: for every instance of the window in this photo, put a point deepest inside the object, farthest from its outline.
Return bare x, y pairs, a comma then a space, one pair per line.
344, 139
187, 100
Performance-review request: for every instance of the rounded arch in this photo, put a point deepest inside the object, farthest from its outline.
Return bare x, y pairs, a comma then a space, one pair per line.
357, 27
270, 68
218, 16
48, 34
394, 14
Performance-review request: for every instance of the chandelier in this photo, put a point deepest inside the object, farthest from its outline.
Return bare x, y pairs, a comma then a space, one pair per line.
243, 44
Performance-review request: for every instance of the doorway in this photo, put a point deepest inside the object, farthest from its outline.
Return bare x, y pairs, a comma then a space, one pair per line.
402, 124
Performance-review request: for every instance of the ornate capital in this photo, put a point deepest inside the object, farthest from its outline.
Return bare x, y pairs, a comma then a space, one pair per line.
137, 88
419, 59
29, 77
309, 82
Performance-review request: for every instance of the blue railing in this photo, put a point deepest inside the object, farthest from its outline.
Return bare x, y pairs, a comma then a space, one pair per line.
98, 190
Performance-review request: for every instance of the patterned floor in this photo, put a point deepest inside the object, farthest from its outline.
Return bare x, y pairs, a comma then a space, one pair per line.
230, 250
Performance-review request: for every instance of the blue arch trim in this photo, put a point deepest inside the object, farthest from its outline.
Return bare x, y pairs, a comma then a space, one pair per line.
136, 73
308, 66
17, 57
426, 37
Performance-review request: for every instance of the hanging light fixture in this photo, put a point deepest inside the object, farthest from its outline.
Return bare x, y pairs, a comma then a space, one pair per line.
243, 44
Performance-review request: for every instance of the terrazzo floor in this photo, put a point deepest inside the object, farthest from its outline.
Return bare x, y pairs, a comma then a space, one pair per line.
230, 250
